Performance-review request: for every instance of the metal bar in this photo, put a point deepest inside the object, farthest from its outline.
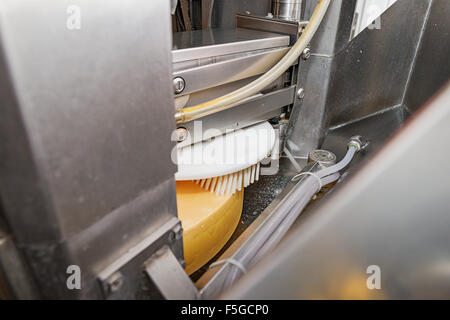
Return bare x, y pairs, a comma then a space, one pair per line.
201, 44
253, 111
216, 74
169, 277
292, 28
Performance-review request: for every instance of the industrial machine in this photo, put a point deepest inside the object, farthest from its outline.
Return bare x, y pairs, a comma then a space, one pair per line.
285, 149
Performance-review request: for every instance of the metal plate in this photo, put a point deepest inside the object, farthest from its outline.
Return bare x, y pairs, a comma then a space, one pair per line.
201, 44
85, 125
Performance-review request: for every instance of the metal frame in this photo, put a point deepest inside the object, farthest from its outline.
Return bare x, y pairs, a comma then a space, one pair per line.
85, 171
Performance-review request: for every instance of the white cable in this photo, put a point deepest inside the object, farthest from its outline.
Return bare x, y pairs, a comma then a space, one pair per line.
231, 261
308, 173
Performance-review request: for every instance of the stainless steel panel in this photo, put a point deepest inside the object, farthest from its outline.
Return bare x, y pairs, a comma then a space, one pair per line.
393, 213
345, 81
373, 70
200, 44
431, 67
291, 28
216, 74
85, 171
334, 32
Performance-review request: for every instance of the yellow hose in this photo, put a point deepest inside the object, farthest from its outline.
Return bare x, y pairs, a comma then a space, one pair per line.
262, 82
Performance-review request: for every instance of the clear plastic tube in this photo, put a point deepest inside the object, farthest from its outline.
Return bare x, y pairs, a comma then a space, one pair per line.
262, 82
277, 228
340, 165
287, 223
269, 234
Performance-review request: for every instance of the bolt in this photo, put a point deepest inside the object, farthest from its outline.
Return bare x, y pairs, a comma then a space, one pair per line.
115, 282
358, 142
181, 134
306, 54
172, 237
301, 93
178, 85
178, 230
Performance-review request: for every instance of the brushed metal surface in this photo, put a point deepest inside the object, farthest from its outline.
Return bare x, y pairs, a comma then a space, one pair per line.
431, 67
200, 44
85, 124
345, 81
215, 74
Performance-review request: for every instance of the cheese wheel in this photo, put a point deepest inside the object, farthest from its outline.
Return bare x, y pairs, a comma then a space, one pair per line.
208, 221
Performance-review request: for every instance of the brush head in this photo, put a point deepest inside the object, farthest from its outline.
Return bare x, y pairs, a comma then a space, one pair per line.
229, 162
232, 182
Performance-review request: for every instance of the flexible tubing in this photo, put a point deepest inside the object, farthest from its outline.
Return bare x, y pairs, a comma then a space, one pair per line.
295, 212
293, 205
277, 228
340, 165
298, 199
262, 82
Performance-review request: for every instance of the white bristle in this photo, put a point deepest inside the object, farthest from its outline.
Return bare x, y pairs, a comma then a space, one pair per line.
239, 183
257, 171
252, 175
231, 183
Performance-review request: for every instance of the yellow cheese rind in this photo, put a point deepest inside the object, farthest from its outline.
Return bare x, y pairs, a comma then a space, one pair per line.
208, 221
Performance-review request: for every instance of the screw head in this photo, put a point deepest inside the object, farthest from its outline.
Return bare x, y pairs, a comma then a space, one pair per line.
301, 93
306, 54
115, 282
178, 231
181, 134
172, 237
178, 85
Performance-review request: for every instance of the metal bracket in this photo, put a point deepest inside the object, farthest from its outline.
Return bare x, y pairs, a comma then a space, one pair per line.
169, 277
126, 279
292, 28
